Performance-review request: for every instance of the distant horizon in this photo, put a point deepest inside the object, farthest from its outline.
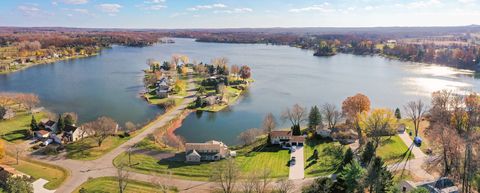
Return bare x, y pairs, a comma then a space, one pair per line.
219, 14
273, 27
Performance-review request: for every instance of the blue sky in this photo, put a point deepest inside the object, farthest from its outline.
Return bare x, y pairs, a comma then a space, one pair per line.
238, 13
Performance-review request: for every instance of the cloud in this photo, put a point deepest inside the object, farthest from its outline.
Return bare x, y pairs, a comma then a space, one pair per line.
155, 7
466, 1
212, 6
155, 1
29, 10
420, 4
72, 2
236, 10
324, 8
84, 11
152, 5
110, 8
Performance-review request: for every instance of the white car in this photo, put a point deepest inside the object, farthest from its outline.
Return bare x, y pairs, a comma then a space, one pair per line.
293, 148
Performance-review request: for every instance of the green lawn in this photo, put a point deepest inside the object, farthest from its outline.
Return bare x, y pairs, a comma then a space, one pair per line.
87, 148
329, 156
17, 128
421, 132
236, 93
269, 157
393, 150
155, 100
54, 174
110, 184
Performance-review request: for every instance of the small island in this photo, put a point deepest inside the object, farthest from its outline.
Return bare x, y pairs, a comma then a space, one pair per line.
217, 85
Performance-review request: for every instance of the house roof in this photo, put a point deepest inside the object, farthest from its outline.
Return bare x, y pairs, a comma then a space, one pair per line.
70, 128
298, 138
50, 123
209, 145
43, 132
281, 133
193, 153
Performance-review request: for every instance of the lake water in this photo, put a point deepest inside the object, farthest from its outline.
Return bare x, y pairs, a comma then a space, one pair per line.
109, 84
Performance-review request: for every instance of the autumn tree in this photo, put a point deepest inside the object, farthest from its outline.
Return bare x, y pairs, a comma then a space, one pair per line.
331, 115
245, 72
352, 107
2, 150
378, 123
226, 175
185, 60
296, 115
235, 70
415, 111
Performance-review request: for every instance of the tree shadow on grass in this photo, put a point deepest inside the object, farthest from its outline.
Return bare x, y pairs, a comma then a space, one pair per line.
78, 149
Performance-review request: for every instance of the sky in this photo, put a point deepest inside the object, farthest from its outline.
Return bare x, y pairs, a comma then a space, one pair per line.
237, 13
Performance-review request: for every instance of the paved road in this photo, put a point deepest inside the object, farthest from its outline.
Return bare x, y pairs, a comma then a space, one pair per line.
297, 171
413, 165
81, 171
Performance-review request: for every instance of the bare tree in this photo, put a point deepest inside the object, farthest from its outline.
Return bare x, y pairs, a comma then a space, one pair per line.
415, 111
269, 123
130, 126
103, 128
248, 136
284, 186
226, 174
331, 114
263, 180
18, 151
249, 183
122, 177
296, 115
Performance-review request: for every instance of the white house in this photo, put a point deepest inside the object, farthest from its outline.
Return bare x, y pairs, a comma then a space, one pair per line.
73, 133
208, 151
286, 138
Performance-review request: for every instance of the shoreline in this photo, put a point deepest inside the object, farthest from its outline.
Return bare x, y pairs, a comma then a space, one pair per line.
50, 61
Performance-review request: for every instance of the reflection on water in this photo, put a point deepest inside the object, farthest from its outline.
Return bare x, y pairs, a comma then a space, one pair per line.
108, 84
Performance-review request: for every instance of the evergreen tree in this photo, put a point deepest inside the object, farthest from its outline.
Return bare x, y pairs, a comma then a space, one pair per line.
314, 118
198, 102
347, 159
398, 115
60, 123
368, 153
33, 124
68, 120
378, 178
296, 130
351, 175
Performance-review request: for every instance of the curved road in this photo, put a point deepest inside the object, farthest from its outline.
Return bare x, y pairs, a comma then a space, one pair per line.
81, 171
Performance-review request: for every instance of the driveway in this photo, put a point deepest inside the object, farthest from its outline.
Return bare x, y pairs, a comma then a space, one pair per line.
297, 171
38, 186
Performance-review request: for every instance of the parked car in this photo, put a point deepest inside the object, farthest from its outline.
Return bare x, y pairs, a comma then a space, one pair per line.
293, 148
293, 161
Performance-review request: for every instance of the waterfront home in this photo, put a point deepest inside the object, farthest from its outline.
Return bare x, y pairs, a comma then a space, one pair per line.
49, 125
208, 151
163, 87
72, 133
42, 133
286, 138
442, 185
323, 132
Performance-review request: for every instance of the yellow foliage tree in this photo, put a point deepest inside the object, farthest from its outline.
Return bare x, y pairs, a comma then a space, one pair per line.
2, 149
378, 123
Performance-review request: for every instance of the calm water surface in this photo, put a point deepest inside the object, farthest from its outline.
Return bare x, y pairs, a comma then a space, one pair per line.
109, 84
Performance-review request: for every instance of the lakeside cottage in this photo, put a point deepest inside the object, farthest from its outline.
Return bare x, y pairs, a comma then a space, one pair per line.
163, 87
73, 133
286, 138
208, 151
442, 185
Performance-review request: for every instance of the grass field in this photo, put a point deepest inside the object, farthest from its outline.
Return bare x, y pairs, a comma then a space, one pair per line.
329, 156
54, 174
235, 95
393, 150
16, 129
87, 148
110, 184
271, 158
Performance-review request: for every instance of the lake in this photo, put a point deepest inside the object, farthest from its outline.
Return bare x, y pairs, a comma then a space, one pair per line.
109, 84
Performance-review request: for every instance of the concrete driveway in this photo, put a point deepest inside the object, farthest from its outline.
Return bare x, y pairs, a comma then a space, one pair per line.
297, 171
38, 186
